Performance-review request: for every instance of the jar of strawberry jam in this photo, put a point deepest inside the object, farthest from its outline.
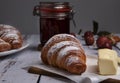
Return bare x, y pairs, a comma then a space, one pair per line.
54, 19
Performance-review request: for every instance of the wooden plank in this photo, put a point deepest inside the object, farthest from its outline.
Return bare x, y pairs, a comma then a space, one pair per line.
11, 67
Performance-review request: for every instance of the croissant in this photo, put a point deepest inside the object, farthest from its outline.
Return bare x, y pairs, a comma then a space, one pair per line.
64, 51
4, 46
11, 35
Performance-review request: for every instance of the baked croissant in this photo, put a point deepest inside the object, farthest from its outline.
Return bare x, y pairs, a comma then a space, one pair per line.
64, 51
4, 46
11, 35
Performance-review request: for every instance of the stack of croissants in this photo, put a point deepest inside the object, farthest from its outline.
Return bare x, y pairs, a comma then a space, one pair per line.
10, 38
64, 51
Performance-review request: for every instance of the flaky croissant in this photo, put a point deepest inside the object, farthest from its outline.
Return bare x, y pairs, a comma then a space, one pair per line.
4, 46
11, 35
64, 51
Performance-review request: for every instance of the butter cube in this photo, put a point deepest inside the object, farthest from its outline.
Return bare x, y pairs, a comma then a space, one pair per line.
118, 60
107, 62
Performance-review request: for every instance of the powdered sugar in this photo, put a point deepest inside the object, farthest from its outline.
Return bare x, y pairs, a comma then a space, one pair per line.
12, 35
59, 36
8, 31
6, 26
71, 59
57, 46
65, 50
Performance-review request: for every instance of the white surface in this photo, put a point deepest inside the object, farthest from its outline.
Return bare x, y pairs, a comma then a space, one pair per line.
90, 76
11, 66
91, 71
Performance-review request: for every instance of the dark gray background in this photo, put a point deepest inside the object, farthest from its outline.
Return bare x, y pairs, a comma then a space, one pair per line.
18, 13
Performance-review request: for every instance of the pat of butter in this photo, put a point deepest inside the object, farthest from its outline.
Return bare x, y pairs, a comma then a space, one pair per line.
118, 60
107, 62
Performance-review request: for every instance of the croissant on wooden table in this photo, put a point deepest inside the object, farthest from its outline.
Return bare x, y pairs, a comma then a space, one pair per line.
64, 51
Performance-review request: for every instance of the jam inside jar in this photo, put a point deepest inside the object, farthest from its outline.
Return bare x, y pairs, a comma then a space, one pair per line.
54, 19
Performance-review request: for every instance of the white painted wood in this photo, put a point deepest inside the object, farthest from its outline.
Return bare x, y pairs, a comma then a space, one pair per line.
89, 50
11, 67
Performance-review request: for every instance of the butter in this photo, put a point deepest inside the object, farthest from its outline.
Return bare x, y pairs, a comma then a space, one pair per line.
118, 60
107, 62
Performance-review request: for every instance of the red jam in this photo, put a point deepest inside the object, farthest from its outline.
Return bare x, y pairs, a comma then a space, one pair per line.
54, 19
52, 26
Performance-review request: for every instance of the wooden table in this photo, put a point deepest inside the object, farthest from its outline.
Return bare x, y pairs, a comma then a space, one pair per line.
11, 66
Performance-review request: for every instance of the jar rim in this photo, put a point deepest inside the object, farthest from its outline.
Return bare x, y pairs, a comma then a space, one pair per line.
55, 7
57, 3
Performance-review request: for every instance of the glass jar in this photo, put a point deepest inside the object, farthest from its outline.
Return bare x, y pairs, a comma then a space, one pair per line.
54, 19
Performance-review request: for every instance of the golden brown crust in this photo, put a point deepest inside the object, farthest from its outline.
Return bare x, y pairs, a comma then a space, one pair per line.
116, 38
64, 51
55, 39
77, 67
4, 46
11, 35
